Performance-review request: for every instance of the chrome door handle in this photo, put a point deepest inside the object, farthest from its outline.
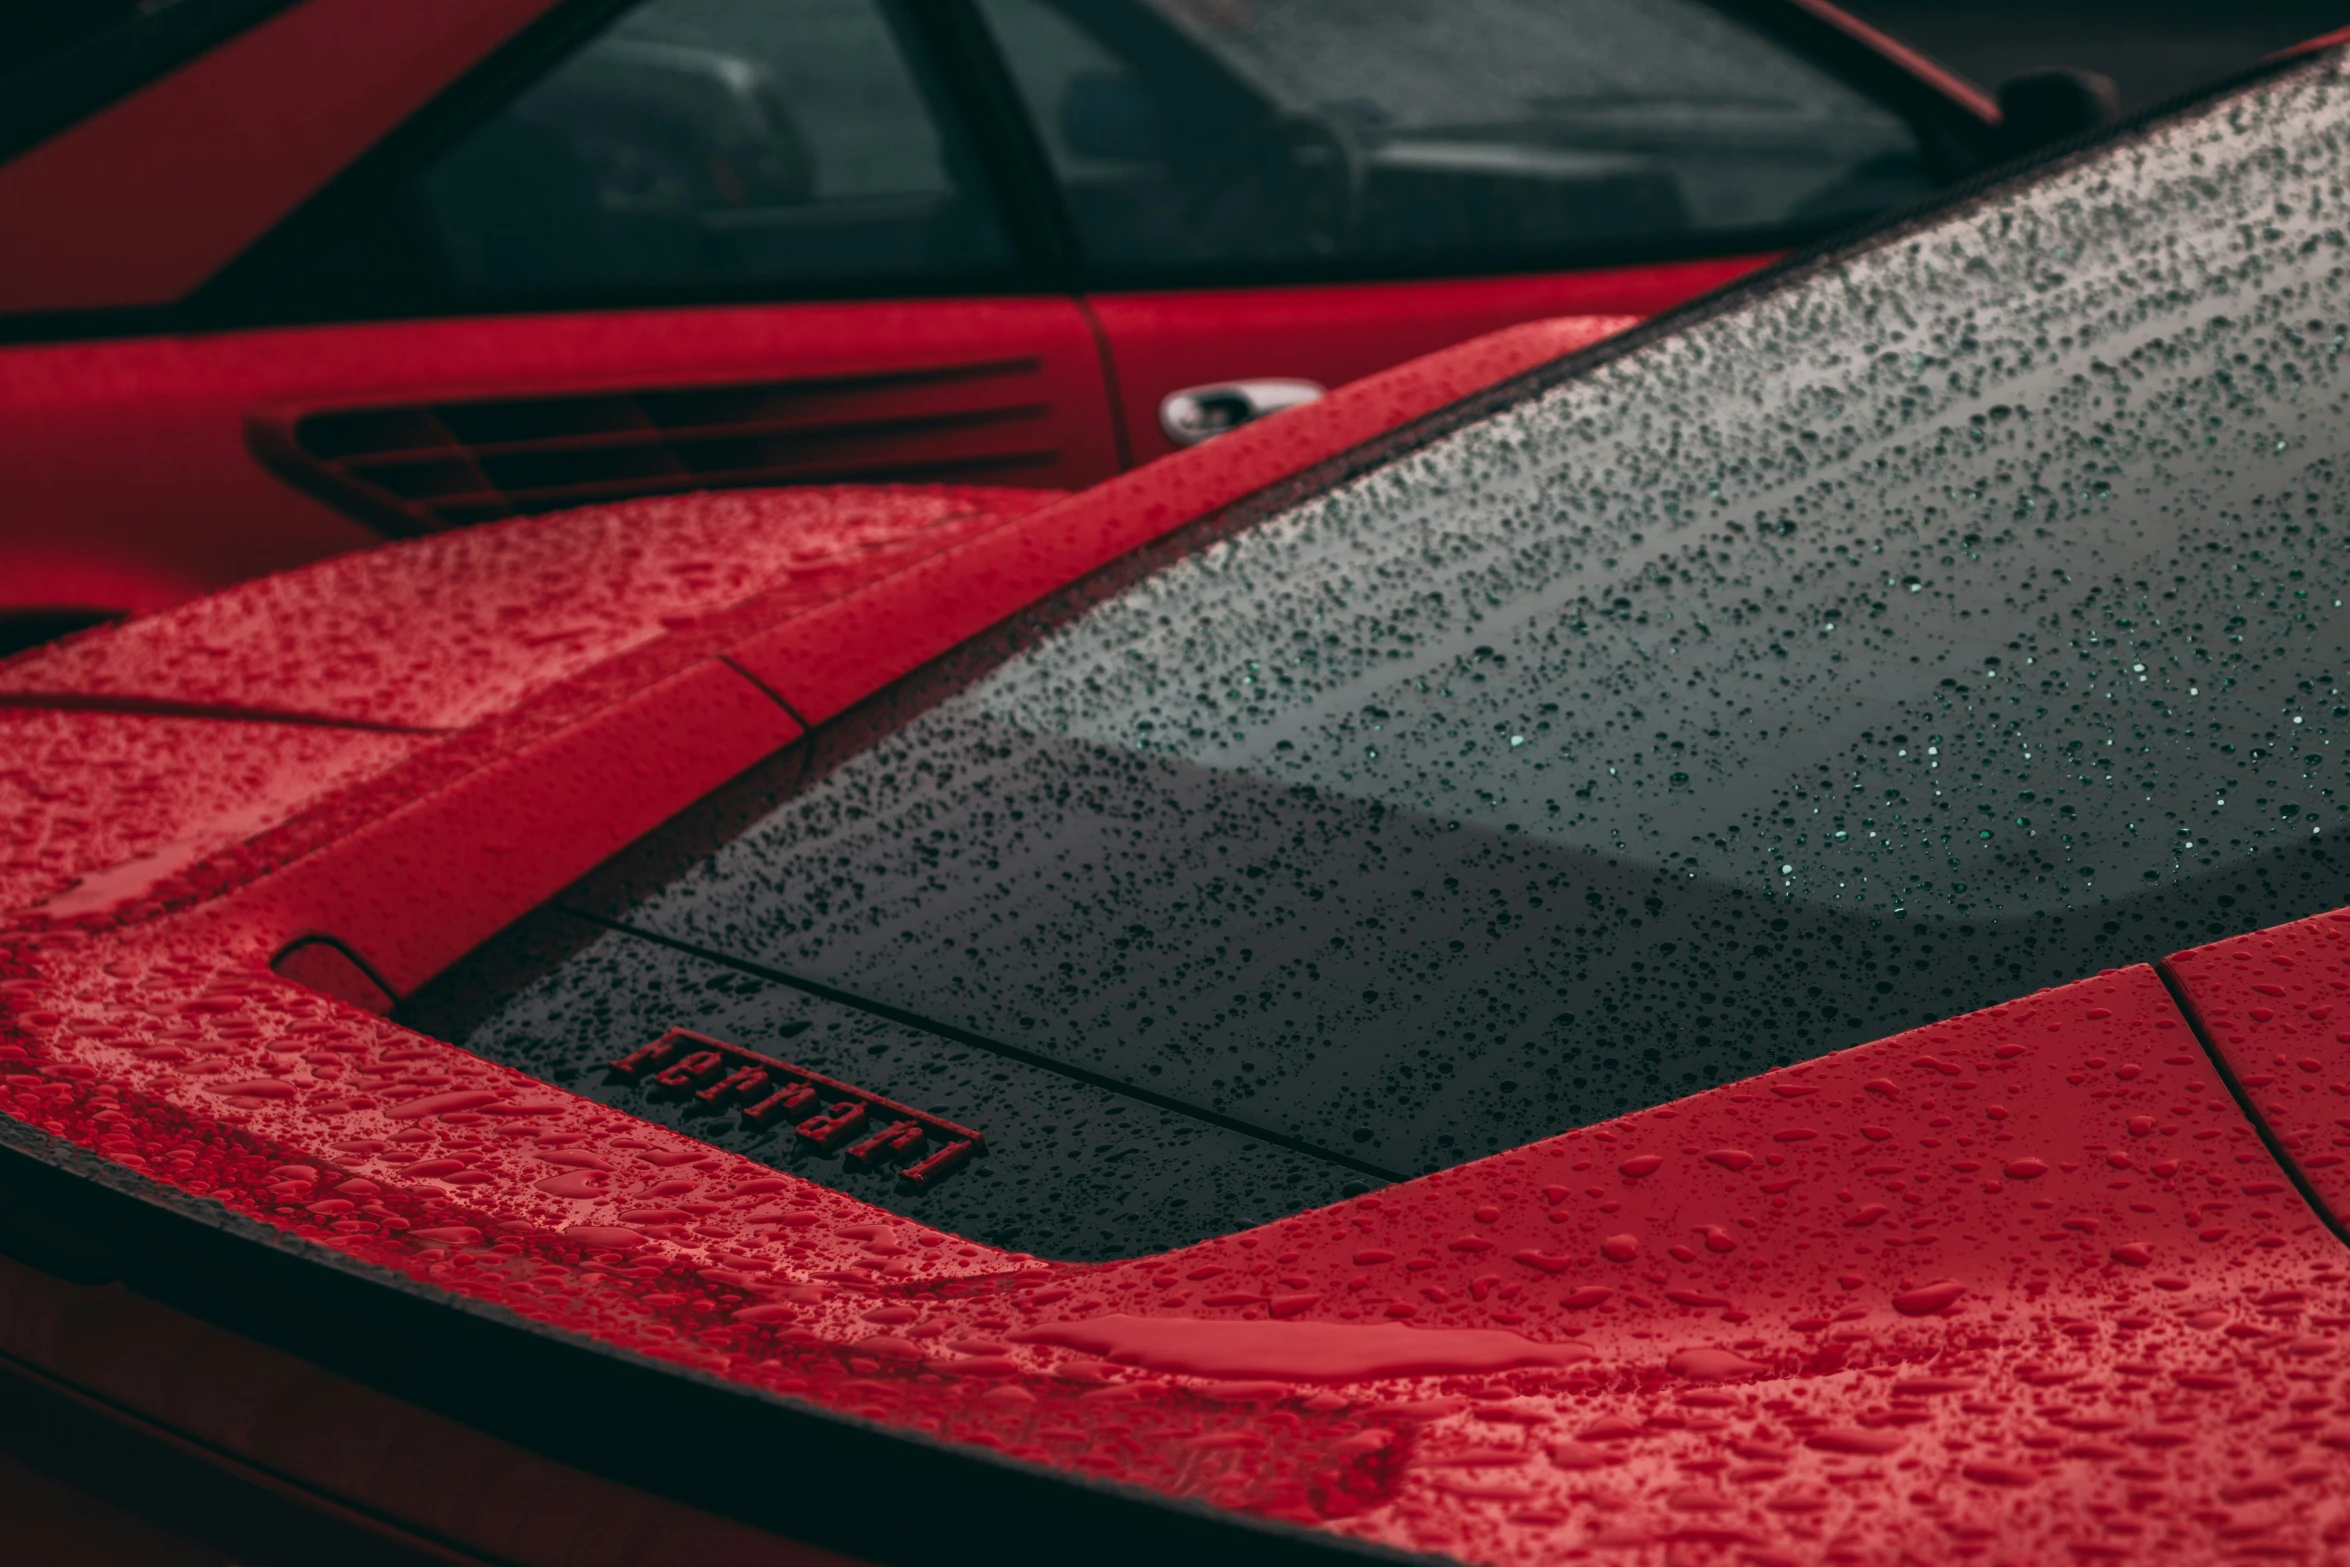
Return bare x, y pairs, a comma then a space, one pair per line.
1195, 413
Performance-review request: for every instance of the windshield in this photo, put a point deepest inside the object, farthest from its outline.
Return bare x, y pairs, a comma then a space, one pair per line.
1954, 619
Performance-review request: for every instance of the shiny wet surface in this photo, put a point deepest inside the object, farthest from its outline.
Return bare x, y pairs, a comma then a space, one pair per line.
1950, 623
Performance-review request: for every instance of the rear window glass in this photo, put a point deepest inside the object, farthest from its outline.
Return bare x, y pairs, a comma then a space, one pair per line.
1950, 621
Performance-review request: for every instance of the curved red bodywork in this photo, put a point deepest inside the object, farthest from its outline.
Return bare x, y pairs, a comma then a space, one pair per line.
152, 385
142, 203
2020, 1286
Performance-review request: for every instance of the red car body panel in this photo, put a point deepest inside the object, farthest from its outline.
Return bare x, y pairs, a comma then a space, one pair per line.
819, 604
88, 791
137, 483
1164, 341
1641, 1334
2267, 1002
151, 467
2021, 1285
827, 660
174, 757
142, 203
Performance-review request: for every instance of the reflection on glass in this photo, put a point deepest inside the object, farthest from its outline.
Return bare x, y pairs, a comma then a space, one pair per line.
1958, 618
713, 143
1193, 132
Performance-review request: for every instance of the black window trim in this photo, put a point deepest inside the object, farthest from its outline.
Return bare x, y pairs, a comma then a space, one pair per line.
241, 295
979, 81
50, 94
1956, 140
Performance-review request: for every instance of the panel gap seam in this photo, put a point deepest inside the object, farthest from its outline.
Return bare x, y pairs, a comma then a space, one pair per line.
2227, 1075
214, 712
771, 694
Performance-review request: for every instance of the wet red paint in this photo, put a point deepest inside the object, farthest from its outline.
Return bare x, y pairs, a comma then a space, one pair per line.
200, 512
2032, 1350
828, 660
1335, 334
1300, 1351
442, 633
2277, 1005
145, 200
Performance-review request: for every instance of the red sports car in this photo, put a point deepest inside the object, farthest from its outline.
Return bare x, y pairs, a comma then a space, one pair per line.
278, 279
1714, 946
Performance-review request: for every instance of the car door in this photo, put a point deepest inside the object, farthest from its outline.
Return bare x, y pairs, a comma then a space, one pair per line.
1308, 191
669, 245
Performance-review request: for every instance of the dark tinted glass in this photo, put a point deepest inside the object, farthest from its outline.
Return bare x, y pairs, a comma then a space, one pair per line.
1200, 134
1073, 1168
63, 59
1954, 620
698, 145
31, 34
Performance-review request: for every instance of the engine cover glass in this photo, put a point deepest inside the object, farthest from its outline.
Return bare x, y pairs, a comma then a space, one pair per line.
1956, 619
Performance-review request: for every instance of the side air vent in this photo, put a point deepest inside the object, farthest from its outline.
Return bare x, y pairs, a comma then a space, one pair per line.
422, 467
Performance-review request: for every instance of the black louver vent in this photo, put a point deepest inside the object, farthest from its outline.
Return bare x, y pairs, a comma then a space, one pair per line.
423, 467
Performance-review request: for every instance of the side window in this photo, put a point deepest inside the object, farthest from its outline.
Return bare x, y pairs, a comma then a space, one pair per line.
698, 146
1204, 134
